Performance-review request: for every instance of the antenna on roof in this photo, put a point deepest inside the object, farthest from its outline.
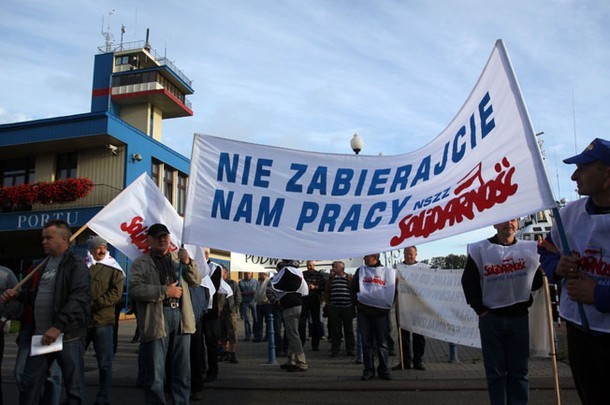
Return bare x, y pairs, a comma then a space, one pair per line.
123, 29
147, 44
107, 34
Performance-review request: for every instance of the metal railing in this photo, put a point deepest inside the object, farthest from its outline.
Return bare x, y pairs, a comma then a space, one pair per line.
133, 45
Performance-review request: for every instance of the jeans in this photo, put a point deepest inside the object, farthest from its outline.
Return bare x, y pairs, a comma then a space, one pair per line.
589, 356
36, 371
198, 357
311, 306
247, 309
374, 328
103, 343
419, 346
341, 319
52, 390
154, 355
211, 328
505, 346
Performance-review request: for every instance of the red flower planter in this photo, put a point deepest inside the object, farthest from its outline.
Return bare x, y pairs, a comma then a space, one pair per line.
60, 191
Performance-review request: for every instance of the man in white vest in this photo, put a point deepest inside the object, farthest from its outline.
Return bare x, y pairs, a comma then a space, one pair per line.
499, 276
585, 293
373, 292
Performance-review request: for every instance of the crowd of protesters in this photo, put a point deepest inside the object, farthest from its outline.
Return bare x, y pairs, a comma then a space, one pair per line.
186, 325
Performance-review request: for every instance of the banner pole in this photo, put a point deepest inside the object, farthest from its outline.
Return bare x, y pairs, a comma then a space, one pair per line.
400, 348
80, 230
549, 311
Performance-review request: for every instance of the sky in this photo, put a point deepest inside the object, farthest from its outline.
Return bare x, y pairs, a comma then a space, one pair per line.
309, 74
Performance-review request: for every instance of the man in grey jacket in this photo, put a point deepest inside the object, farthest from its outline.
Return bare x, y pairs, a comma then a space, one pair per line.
158, 282
57, 301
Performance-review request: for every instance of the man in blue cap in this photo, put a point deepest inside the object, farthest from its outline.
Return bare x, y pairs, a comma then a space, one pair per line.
585, 273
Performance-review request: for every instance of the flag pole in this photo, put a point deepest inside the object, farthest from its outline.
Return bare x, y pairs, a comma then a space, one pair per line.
46, 259
549, 312
400, 348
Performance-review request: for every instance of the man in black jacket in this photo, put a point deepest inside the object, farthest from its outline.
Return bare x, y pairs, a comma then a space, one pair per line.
61, 305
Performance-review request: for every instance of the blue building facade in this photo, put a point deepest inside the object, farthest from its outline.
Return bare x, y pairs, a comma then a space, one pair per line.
133, 91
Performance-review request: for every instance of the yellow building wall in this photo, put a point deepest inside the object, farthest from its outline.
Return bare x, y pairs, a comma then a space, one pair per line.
136, 116
157, 124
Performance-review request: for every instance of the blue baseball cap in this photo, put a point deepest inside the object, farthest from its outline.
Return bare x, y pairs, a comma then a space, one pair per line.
598, 149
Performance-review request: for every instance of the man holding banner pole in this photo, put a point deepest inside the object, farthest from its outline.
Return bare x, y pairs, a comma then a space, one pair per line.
419, 341
59, 301
579, 254
158, 282
499, 276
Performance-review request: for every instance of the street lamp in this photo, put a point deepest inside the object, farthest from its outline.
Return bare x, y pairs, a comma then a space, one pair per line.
356, 144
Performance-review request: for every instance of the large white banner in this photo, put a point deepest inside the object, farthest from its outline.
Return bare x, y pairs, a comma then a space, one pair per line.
431, 302
484, 168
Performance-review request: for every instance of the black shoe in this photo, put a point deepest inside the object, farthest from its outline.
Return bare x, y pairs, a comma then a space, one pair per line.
367, 376
296, 369
419, 366
209, 378
386, 377
397, 367
285, 366
315, 349
196, 396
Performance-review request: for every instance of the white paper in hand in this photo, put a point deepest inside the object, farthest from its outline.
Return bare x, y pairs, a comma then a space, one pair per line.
38, 348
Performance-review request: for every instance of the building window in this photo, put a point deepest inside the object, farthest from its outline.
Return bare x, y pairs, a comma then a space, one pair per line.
66, 165
168, 184
121, 60
181, 203
154, 172
17, 171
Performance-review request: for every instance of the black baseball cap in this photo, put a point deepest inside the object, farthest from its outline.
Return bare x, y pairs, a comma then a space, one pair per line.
157, 230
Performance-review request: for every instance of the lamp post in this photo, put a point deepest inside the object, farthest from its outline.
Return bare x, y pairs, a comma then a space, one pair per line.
356, 143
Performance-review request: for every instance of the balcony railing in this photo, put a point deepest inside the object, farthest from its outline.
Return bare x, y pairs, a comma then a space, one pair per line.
134, 45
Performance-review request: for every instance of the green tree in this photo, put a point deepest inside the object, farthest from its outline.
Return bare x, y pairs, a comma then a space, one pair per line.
450, 261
